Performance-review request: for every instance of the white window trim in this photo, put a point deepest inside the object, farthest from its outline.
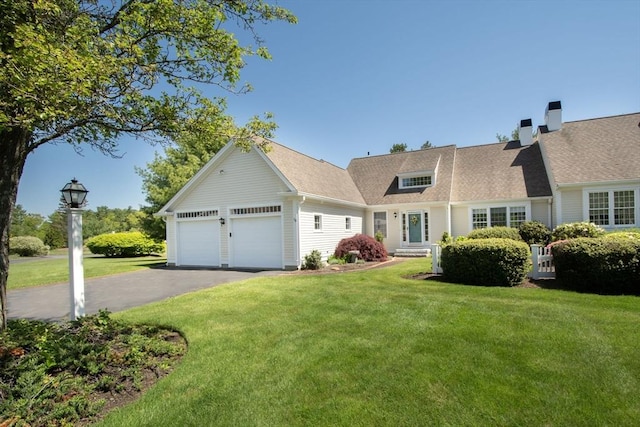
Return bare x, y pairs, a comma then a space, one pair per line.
348, 223
402, 176
610, 191
527, 211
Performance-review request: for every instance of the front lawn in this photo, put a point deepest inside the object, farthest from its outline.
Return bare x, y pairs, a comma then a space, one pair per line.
373, 348
46, 271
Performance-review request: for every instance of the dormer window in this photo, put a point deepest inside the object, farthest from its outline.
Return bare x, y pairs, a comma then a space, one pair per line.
415, 180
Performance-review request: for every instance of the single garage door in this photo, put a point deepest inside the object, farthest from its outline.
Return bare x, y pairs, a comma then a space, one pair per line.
199, 243
256, 242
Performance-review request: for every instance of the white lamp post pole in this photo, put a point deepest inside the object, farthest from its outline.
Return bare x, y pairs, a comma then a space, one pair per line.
76, 270
73, 196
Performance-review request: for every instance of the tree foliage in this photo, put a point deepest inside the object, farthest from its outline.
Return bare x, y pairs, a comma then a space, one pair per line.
24, 223
86, 72
427, 144
398, 148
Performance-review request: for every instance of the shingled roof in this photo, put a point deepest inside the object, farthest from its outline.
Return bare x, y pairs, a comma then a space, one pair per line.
376, 176
314, 177
499, 172
595, 150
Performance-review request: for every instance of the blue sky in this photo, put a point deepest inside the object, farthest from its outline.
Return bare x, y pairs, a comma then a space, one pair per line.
356, 76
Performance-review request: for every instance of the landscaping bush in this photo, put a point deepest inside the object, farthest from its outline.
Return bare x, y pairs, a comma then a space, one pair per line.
574, 230
606, 265
27, 246
534, 233
495, 233
488, 262
312, 261
370, 249
127, 244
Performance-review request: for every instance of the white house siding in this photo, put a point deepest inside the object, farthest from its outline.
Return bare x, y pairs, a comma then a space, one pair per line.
333, 227
437, 223
540, 211
460, 224
570, 206
239, 180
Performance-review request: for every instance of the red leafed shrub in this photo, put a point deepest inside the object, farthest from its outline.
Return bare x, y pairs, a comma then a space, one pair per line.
370, 249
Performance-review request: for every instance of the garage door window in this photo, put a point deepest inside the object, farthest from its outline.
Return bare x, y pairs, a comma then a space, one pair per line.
197, 214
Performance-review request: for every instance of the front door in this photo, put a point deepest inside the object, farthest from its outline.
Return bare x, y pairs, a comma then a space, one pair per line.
414, 225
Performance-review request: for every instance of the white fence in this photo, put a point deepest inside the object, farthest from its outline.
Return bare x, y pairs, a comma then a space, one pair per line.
541, 259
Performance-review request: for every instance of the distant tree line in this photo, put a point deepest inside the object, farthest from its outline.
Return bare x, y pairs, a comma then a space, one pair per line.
53, 229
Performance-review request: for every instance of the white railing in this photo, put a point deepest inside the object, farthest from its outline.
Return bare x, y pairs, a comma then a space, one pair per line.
542, 261
435, 258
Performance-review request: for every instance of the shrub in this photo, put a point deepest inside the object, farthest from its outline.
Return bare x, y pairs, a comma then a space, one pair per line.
576, 229
379, 236
492, 262
312, 261
27, 246
607, 265
534, 233
624, 235
495, 233
127, 244
370, 249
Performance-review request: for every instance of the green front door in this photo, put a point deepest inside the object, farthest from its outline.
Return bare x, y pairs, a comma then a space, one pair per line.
415, 227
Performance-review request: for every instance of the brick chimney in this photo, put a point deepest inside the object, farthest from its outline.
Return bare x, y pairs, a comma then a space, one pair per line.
525, 132
553, 116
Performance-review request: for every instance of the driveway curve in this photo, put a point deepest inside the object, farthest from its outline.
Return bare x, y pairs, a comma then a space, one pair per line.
120, 291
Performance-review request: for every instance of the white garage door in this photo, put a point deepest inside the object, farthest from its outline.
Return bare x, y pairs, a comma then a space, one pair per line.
256, 242
199, 243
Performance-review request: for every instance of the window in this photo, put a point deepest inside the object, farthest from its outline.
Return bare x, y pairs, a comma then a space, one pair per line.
197, 214
347, 223
499, 216
624, 207
479, 218
426, 226
256, 210
416, 181
612, 208
317, 222
380, 223
517, 215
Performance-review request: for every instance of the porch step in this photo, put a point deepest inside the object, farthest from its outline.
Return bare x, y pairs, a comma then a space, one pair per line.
412, 252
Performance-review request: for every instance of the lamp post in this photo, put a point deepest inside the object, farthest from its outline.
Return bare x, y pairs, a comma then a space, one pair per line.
74, 198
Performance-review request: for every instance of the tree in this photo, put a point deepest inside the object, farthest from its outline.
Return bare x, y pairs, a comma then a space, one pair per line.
86, 72
426, 145
55, 230
24, 223
515, 135
398, 148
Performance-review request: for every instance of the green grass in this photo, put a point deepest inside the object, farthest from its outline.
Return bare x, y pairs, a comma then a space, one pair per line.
47, 271
371, 348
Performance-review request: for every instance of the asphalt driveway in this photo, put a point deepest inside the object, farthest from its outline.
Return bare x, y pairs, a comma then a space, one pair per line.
120, 291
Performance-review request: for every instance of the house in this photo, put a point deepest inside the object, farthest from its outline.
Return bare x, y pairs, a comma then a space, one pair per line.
268, 210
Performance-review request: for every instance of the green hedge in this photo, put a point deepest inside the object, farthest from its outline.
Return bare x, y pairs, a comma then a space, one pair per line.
534, 233
488, 262
127, 244
574, 230
495, 233
606, 265
27, 246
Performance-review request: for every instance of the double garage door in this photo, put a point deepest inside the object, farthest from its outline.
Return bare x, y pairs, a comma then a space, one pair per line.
254, 242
